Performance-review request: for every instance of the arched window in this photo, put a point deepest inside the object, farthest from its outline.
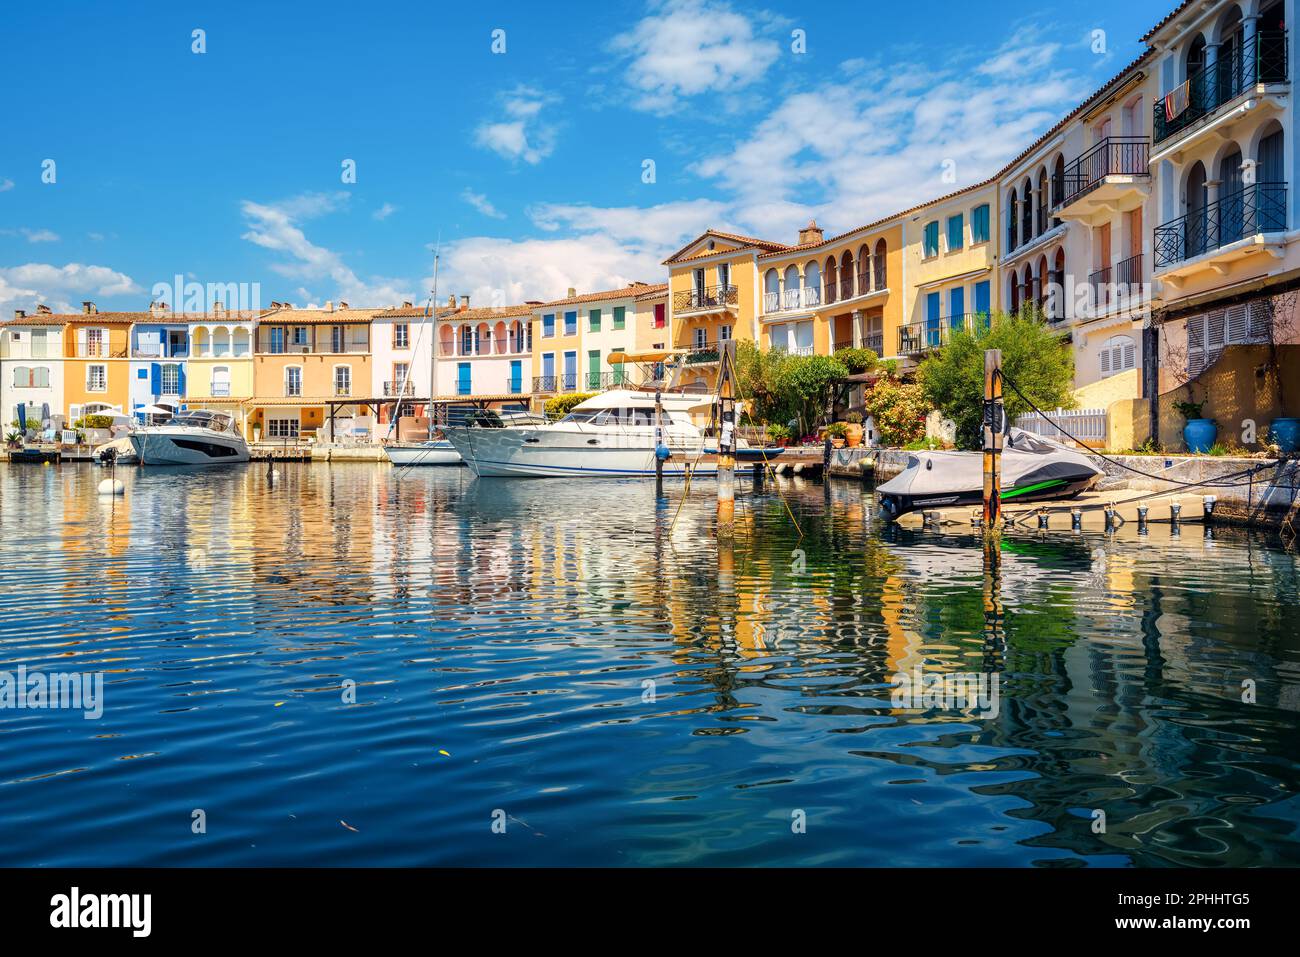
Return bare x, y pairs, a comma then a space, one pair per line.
882, 277
790, 298
864, 270
812, 284
1118, 354
771, 291
1012, 216
1027, 211
832, 277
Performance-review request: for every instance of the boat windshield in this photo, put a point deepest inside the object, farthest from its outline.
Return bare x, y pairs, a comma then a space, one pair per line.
633, 415
202, 419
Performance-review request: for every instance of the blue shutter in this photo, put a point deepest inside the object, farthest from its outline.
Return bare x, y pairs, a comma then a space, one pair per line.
464, 384
516, 375
982, 297
155, 379
932, 319
180, 380
956, 306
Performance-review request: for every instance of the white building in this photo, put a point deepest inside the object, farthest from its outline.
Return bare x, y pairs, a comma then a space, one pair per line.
31, 367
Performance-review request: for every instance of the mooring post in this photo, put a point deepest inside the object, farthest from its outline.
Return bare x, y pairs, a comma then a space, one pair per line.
726, 439
994, 422
660, 449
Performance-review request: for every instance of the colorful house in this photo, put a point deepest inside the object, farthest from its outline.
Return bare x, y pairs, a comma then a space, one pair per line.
950, 262
484, 355
31, 368
97, 361
160, 349
219, 371
311, 374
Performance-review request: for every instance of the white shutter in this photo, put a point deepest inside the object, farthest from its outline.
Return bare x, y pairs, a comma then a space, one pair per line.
1261, 319
81, 341
1195, 346
1215, 336
1235, 319
1130, 355
1105, 360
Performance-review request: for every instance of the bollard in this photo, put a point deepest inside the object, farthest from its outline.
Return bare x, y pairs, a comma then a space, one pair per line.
1209, 501
1076, 519
1142, 518
1110, 518
1042, 518
1175, 513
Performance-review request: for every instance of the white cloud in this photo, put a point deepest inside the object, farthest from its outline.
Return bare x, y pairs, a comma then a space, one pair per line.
41, 235
664, 227
6, 185
896, 131
688, 47
23, 287
276, 226
523, 134
383, 212
480, 202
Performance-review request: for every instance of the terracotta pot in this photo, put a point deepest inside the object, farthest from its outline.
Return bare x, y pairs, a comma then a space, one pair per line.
853, 435
837, 442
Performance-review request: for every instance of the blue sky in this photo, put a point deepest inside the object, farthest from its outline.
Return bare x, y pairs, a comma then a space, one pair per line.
226, 166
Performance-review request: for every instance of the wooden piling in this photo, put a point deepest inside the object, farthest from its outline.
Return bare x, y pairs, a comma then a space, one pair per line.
994, 413
726, 439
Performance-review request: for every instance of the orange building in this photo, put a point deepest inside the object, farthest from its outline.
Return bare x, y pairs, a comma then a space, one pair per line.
307, 365
97, 360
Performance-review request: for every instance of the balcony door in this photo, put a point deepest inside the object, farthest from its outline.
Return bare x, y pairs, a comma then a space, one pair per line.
699, 287
1232, 201
1197, 213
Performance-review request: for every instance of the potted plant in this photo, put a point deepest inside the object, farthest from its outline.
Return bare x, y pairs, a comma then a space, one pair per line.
853, 429
1198, 433
778, 434
836, 432
14, 439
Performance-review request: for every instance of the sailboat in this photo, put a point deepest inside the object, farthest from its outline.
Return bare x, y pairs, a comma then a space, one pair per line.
435, 450
1033, 469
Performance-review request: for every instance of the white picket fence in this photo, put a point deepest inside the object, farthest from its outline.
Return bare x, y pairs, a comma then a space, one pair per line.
1086, 425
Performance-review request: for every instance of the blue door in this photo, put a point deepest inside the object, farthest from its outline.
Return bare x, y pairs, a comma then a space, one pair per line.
570, 371
463, 385
516, 375
548, 370
957, 307
932, 319
982, 298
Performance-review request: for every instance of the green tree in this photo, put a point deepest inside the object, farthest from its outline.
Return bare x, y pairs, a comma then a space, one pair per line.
857, 361
559, 406
807, 383
1036, 358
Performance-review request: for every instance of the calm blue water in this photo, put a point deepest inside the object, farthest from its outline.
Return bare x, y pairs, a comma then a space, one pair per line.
515, 625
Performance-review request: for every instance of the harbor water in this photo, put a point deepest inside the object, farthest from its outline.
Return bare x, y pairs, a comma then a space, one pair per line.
353, 664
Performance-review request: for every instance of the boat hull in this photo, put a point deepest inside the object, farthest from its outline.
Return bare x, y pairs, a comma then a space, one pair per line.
895, 504
188, 447
535, 453
424, 453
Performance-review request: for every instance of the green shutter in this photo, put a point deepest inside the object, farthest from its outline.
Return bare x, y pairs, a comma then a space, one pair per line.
593, 320
620, 315
593, 366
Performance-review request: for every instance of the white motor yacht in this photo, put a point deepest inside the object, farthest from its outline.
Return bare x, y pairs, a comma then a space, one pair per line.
198, 437
609, 435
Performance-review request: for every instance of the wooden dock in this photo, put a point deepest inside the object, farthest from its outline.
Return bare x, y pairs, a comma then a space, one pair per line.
1091, 510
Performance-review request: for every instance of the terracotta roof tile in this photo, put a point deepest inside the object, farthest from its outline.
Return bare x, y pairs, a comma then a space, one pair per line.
745, 241
626, 292
1167, 17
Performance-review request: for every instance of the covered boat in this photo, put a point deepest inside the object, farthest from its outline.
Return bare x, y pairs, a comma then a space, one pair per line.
1033, 468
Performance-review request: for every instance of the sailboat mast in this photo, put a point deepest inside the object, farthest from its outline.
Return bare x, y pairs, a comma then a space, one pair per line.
433, 338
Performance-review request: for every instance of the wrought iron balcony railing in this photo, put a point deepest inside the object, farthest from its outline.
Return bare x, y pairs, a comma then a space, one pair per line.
395, 387
1259, 208
1260, 59
1113, 156
918, 337
705, 297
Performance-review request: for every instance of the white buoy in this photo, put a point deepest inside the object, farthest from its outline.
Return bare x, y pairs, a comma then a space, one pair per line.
111, 487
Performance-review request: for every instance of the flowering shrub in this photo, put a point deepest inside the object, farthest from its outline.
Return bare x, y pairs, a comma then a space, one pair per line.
899, 410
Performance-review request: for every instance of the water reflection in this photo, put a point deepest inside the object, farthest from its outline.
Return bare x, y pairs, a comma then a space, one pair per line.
593, 663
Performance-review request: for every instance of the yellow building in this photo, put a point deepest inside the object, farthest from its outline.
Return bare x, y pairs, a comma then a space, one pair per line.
220, 365
950, 263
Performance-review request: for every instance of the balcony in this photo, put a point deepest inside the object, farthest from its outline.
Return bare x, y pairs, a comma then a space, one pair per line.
397, 388
1113, 175
703, 353
1261, 59
220, 390
1116, 287
594, 381
792, 300
875, 341
546, 384
706, 299
1231, 227
918, 337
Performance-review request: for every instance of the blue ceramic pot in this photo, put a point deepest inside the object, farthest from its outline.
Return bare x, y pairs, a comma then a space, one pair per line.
1286, 434
1199, 434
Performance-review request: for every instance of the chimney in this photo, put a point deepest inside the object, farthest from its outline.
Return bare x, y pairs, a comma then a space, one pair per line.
157, 308
451, 301
44, 310
329, 305
572, 292
464, 303
88, 307
407, 304
812, 233
20, 314
342, 304
218, 309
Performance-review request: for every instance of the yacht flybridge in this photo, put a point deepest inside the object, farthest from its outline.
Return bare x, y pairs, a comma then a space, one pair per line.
198, 437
